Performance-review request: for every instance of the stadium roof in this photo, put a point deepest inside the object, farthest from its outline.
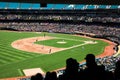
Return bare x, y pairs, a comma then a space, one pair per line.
95, 2
11, 5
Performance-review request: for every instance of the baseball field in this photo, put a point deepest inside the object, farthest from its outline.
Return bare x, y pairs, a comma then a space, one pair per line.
48, 51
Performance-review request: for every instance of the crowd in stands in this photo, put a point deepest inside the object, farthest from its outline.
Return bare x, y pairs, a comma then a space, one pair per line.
92, 69
87, 17
110, 32
108, 62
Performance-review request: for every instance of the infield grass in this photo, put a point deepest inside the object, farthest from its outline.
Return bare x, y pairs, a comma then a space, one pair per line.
58, 42
13, 60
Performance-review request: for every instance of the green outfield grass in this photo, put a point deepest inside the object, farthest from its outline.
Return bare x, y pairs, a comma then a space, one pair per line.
13, 60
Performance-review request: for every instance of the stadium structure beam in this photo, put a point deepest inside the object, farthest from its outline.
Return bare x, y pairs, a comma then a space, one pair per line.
94, 2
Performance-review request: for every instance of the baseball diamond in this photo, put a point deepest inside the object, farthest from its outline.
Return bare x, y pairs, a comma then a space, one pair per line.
25, 50
45, 41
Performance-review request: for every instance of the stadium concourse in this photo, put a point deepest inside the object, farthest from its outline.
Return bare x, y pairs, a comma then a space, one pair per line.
97, 21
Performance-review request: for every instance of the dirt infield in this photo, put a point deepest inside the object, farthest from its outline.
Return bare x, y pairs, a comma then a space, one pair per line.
28, 45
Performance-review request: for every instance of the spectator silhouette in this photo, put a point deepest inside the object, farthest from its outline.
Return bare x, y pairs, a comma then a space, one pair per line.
47, 76
38, 76
117, 71
51, 76
33, 77
54, 76
71, 71
92, 70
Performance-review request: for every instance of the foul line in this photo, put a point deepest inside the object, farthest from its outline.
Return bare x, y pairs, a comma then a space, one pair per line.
85, 42
81, 45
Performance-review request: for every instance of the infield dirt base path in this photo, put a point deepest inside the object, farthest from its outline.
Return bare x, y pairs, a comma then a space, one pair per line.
28, 45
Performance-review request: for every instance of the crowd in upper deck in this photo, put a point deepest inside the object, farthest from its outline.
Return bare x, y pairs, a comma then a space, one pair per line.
87, 17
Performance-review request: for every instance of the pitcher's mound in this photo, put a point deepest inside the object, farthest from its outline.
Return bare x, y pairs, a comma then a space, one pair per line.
61, 42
